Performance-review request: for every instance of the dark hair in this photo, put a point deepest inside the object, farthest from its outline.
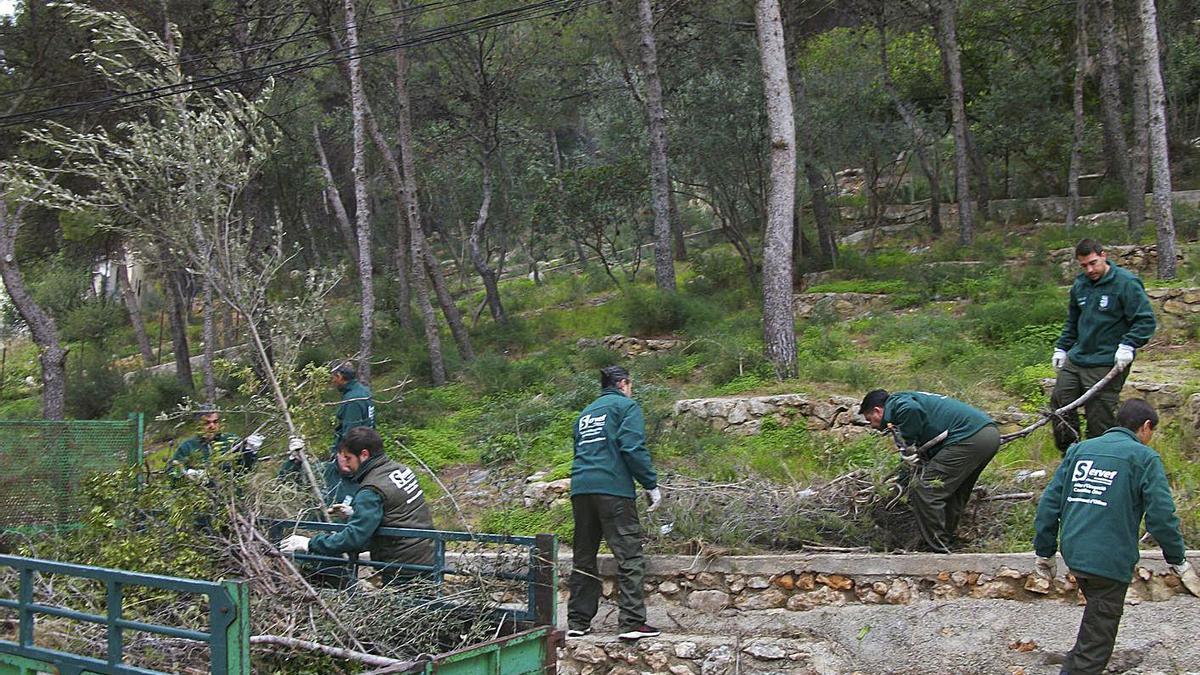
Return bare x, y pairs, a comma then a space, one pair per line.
1136, 412
1086, 247
346, 370
611, 375
362, 438
873, 399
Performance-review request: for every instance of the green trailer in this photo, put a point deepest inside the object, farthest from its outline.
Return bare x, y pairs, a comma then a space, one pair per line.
530, 648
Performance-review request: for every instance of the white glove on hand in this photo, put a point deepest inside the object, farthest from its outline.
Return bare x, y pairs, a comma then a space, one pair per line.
655, 498
294, 544
1059, 359
1124, 356
295, 446
195, 475
340, 511
1046, 568
1187, 574
254, 442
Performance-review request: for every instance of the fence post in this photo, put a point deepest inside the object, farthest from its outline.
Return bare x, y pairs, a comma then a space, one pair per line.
230, 629
545, 580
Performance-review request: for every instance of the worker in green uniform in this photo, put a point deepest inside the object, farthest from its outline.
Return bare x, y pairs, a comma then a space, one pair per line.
610, 454
1093, 507
212, 448
1108, 319
388, 495
948, 442
356, 409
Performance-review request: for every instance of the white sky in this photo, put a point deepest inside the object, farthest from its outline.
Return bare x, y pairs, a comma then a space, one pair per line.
7, 7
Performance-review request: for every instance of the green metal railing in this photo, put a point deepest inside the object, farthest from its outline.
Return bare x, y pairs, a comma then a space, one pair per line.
45, 462
228, 635
541, 577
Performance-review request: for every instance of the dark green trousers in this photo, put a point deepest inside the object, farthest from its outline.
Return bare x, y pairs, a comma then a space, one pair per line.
1098, 630
615, 519
1101, 411
940, 489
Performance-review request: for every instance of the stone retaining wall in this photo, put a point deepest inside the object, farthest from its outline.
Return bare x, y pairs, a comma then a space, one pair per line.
843, 305
703, 654
1175, 308
746, 415
730, 585
1138, 258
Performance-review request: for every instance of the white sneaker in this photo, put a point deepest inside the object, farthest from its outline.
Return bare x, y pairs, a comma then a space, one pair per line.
577, 633
642, 631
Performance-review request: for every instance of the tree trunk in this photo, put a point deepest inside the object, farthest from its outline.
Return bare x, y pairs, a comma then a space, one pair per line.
779, 331
474, 243
177, 313
1110, 106
826, 236
134, 306
580, 253
677, 229
1081, 59
433, 338
362, 208
51, 354
660, 178
948, 41
333, 197
209, 336
420, 247
1160, 164
1139, 148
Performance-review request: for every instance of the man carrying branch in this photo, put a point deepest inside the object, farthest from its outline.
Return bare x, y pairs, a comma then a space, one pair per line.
948, 442
1108, 318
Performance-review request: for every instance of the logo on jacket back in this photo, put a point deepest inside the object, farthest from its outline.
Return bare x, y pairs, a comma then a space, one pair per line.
591, 429
1088, 483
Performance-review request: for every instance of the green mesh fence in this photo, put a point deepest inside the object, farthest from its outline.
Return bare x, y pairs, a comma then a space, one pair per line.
43, 463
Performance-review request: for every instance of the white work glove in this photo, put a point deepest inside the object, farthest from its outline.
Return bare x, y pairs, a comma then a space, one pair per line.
1059, 359
1187, 574
340, 511
1124, 356
295, 446
254, 442
1046, 568
654, 496
195, 475
294, 544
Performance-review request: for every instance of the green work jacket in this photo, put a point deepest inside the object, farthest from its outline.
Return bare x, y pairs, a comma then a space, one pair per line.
610, 448
1104, 315
921, 417
1094, 505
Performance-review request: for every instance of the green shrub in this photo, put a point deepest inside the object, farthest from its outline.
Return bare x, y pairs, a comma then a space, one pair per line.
92, 321
21, 409
521, 521
92, 384
1000, 321
59, 287
151, 395
1187, 221
885, 286
1027, 384
1110, 196
654, 312
496, 374
716, 269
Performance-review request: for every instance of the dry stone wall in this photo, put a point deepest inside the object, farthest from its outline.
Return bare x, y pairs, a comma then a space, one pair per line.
746, 415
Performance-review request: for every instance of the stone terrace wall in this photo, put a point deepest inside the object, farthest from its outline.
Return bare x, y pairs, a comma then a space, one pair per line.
1137, 258
746, 415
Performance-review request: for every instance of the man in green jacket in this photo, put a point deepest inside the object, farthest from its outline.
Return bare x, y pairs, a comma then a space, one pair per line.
356, 409
610, 454
212, 447
1094, 506
1108, 318
948, 442
388, 495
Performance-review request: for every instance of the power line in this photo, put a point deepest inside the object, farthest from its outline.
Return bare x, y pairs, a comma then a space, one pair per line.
129, 99
276, 42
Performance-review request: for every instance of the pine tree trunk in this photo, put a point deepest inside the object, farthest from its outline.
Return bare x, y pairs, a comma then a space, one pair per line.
475, 241
333, 197
822, 216
209, 336
677, 229
660, 178
133, 305
1111, 107
779, 330
1081, 59
362, 208
1160, 163
948, 41
177, 313
1139, 149
433, 338
420, 247
51, 354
